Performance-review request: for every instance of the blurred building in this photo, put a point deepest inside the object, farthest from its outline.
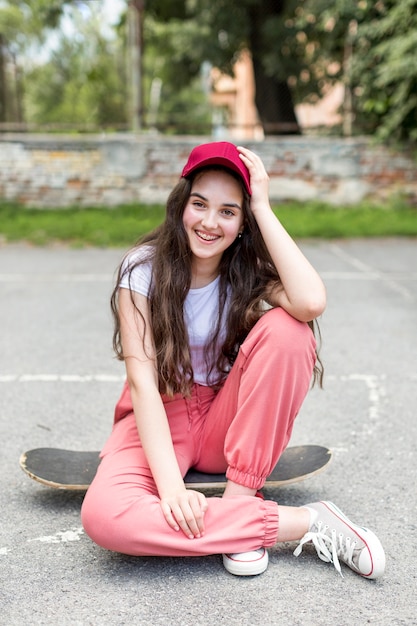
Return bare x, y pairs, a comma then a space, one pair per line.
233, 99
235, 114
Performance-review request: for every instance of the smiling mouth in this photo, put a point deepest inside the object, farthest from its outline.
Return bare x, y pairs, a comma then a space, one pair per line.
205, 236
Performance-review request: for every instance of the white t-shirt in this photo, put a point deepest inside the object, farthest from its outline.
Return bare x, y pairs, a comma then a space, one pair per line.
201, 311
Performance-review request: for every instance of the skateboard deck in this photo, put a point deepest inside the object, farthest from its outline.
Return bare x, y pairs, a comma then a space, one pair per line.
75, 470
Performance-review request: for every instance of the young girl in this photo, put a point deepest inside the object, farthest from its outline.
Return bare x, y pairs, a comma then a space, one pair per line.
213, 316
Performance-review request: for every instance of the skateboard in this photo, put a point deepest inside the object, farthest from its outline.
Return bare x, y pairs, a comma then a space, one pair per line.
75, 470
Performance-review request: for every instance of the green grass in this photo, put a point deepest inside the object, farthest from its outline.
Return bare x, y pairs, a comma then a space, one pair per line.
315, 219
102, 227
121, 226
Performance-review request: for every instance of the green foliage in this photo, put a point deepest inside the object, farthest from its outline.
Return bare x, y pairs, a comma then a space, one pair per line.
216, 32
174, 50
183, 105
201, 30
184, 110
385, 70
22, 24
370, 46
180, 39
84, 81
23, 21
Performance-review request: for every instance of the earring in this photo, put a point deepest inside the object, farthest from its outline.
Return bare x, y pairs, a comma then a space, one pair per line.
239, 236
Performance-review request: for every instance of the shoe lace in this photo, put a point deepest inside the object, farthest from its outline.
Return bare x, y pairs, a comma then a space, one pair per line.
330, 546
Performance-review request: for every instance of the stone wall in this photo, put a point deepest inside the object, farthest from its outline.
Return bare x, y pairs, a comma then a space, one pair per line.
61, 171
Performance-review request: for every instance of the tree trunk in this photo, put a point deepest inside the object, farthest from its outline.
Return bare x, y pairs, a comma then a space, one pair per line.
274, 103
273, 97
3, 97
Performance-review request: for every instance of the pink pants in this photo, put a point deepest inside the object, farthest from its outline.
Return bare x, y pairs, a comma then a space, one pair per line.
241, 430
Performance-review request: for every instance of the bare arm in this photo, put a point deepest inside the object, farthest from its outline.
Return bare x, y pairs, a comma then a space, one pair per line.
182, 508
302, 293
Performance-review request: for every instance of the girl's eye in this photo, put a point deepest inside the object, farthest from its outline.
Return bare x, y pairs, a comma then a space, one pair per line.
198, 205
228, 212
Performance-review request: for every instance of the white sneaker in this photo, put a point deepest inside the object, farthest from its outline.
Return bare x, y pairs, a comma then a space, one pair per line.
337, 539
246, 563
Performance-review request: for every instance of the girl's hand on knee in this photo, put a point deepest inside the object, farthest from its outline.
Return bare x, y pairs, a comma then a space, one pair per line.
185, 511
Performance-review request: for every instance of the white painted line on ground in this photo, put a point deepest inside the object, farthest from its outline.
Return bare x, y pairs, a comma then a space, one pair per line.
353, 261
372, 381
363, 273
56, 278
367, 270
411, 276
376, 392
375, 386
61, 378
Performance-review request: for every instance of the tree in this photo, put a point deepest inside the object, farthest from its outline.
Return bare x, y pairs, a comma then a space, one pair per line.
3, 93
372, 48
23, 23
83, 82
217, 31
385, 70
273, 97
299, 48
173, 59
20, 24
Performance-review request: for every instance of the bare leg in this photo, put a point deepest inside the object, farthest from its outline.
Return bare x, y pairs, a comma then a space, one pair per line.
294, 523
234, 489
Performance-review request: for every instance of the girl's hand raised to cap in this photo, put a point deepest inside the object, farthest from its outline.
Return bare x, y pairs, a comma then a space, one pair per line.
259, 179
301, 291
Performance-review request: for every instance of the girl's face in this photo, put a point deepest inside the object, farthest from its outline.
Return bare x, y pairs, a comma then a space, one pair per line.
213, 215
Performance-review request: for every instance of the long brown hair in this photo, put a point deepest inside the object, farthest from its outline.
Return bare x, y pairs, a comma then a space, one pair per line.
246, 273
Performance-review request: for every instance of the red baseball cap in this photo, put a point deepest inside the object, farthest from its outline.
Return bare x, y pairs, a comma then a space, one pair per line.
218, 153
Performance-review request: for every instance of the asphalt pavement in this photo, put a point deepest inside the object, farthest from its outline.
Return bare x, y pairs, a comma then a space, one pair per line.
59, 383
